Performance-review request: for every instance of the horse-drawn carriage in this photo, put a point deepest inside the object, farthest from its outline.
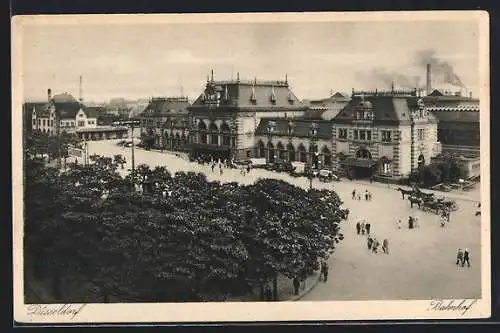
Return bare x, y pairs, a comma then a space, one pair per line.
327, 176
428, 201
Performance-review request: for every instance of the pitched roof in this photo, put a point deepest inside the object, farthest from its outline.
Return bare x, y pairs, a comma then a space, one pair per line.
436, 92
301, 127
94, 111
64, 98
67, 109
249, 94
165, 106
387, 109
456, 116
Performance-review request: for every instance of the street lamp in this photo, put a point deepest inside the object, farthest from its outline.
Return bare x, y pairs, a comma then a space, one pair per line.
133, 157
313, 132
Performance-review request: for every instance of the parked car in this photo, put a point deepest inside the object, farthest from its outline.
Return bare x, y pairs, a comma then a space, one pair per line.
327, 176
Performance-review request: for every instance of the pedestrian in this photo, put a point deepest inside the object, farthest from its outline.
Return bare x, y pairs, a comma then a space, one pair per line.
353, 194
385, 246
399, 224
410, 222
296, 285
359, 197
466, 258
460, 257
369, 242
375, 246
268, 293
213, 167
366, 195
363, 228
370, 196
325, 271
358, 227
367, 227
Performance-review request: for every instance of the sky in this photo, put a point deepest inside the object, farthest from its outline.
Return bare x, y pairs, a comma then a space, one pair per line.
140, 61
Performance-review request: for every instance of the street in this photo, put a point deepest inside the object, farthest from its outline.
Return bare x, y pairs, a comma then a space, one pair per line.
421, 261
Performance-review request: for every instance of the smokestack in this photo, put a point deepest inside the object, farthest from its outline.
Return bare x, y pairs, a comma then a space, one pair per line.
428, 86
80, 90
49, 94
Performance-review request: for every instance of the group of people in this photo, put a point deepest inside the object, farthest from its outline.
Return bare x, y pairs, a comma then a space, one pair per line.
357, 195
373, 244
363, 227
463, 257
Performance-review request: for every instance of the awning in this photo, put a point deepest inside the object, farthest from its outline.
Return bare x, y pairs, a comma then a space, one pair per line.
359, 162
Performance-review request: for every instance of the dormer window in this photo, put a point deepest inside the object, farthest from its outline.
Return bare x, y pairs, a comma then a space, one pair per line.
271, 127
253, 97
273, 95
291, 127
314, 129
290, 97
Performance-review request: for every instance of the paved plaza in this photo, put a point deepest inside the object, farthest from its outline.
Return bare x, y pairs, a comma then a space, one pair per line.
421, 262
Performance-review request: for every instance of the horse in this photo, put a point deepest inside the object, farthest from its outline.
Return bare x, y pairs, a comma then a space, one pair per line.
403, 192
450, 205
414, 200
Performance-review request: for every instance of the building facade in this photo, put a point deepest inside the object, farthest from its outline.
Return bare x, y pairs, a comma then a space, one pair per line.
385, 134
225, 117
291, 140
165, 122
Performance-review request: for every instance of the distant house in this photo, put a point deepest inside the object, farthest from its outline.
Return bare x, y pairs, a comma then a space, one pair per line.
63, 113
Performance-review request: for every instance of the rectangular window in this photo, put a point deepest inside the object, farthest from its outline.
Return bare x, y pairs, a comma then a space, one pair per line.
248, 153
34, 121
81, 123
356, 134
362, 135
342, 133
43, 122
421, 134
369, 135
386, 136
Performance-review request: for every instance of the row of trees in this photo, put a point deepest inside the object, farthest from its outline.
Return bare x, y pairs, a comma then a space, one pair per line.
447, 170
40, 144
181, 239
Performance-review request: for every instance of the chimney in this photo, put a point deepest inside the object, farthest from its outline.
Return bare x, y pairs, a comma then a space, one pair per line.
470, 94
49, 94
80, 90
428, 86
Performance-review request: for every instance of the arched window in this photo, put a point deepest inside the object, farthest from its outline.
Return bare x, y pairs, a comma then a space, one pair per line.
363, 153
270, 152
261, 149
226, 134
291, 152
281, 151
202, 132
302, 153
214, 134
327, 156
421, 160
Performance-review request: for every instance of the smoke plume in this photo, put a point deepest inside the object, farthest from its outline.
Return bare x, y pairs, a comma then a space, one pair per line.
441, 70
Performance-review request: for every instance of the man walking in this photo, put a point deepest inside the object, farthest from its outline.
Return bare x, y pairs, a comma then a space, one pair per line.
358, 227
324, 270
363, 228
366, 195
353, 194
460, 257
367, 226
385, 246
369, 242
466, 258
296, 285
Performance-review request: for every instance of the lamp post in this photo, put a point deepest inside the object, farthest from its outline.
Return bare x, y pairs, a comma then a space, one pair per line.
270, 129
133, 158
313, 132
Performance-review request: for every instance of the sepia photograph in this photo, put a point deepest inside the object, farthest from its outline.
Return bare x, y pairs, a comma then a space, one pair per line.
251, 167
